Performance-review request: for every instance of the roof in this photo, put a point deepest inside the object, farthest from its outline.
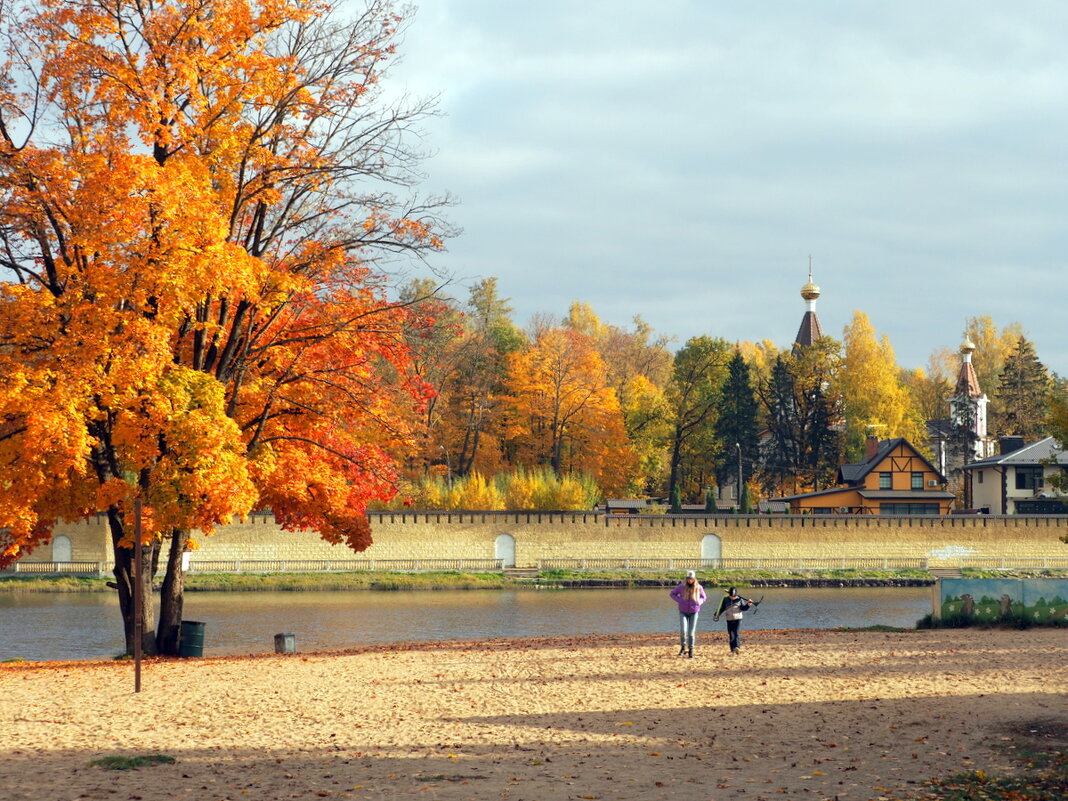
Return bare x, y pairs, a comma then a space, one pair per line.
940, 429
923, 495
816, 494
852, 473
885, 495
810, 329
967, 382
855, 473
1036, 453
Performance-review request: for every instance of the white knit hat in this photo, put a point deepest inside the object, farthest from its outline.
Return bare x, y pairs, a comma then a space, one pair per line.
690, 574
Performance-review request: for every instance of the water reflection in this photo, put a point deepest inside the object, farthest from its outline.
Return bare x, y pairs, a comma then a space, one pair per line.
87, 625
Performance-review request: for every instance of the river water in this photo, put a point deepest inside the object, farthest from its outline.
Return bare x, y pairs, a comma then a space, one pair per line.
87, 625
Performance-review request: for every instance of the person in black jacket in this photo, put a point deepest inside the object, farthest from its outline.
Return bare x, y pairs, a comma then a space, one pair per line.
731, 607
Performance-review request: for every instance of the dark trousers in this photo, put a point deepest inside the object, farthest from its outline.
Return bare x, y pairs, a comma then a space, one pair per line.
734, 635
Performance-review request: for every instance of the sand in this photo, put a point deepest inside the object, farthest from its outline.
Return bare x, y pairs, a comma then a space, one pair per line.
798, 714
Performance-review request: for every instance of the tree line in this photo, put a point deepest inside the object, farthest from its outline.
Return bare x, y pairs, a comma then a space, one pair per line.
574, 395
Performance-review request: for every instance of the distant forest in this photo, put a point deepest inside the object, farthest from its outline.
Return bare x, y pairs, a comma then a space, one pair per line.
621, 412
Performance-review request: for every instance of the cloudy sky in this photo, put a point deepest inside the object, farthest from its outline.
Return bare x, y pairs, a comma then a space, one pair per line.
681, 159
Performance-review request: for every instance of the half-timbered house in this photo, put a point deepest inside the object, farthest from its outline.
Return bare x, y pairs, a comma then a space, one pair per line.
893, 479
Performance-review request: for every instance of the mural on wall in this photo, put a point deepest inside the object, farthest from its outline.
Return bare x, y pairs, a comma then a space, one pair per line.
948, 553
989, 600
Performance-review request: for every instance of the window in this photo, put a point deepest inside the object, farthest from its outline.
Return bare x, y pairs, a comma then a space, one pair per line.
886, 481
908, 508
980, 472
917, 481
1028, 477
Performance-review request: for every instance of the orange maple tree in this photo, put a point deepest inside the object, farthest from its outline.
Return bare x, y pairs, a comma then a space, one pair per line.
192, 199
562, 413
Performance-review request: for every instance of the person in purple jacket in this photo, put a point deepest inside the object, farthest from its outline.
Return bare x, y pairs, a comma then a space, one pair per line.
689, 595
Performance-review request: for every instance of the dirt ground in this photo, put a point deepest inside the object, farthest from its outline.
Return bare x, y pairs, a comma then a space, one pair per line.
797, 714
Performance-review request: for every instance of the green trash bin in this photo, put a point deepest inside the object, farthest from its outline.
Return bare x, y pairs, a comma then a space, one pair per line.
191, 638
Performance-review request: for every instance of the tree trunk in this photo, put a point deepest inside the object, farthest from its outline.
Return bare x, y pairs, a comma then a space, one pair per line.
556, 458
124, 582
171, 597
676, 458
472, 437
475, 440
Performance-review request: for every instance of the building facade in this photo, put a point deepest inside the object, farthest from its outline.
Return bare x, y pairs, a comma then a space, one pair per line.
1017, 481
893, 479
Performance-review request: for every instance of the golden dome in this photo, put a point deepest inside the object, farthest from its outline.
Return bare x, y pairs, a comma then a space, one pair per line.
967, 346
810, 291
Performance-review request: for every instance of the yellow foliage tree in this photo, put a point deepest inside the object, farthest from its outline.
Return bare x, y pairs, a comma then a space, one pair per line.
931, 387
473, 491
992, 346
874, 399
561, 412
760, 356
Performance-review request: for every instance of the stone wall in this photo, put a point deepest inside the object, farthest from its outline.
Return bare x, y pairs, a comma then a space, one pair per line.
90, 541
539, 536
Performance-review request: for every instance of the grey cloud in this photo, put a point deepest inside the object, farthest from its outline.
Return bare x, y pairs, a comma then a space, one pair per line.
680, 161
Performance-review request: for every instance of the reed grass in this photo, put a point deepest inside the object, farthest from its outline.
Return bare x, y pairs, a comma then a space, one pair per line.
538, 489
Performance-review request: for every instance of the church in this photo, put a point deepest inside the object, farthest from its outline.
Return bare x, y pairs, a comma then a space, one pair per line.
962, 438
894, 476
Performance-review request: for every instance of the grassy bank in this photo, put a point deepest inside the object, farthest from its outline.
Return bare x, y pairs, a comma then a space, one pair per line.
454, 580
280, 582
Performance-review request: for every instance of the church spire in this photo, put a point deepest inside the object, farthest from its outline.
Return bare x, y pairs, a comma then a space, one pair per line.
967, 380
967, 405
810, 329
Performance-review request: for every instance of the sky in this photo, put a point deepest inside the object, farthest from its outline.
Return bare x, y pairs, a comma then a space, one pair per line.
682, 159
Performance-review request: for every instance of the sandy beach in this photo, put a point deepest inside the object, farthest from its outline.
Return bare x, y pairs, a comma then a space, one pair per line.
798, 714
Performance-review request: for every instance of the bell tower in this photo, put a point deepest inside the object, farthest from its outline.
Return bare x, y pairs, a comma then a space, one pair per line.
967, 404
810, 329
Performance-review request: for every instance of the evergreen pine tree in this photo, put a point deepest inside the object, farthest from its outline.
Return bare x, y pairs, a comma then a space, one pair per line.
821, 443
804, 417
746, 503
737, 424
1023, 393
960, 444
819, 411
780, 456
1058, 429
710, 501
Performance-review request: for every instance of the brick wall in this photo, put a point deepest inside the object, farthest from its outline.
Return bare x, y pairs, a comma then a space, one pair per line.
90, 541
586, 536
